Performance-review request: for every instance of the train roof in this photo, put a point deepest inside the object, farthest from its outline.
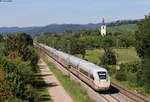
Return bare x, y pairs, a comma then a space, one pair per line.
63, 55
90, 67
85, 65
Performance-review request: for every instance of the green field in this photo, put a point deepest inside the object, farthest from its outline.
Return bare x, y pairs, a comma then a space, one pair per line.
123, 55
127, 55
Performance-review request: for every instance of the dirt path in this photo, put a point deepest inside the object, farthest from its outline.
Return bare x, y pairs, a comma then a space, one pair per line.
56, 91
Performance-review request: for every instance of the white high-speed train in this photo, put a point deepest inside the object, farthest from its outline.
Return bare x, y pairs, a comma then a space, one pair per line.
95, 76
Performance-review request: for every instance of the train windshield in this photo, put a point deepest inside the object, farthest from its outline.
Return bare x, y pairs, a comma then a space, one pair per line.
102, 75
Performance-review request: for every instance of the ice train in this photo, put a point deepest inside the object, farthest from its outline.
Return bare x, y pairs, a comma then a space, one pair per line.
95, 76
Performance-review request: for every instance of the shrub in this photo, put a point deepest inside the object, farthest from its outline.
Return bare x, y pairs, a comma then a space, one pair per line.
109, 58
121, 76
139, 78
131, 67
132, 78
18, 79
31, 55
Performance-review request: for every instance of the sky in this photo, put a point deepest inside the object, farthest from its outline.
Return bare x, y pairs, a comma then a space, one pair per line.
25, 13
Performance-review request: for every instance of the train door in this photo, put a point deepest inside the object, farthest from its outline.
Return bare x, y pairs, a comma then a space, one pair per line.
78, 69
67, 62
91, 76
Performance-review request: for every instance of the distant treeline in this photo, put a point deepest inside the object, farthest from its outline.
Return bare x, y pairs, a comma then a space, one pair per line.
120, 22
61, 28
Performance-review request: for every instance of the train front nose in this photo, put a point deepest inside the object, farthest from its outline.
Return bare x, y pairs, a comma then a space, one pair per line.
104, 84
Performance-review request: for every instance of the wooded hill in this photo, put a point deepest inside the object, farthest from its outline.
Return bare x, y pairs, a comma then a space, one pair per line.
117, 26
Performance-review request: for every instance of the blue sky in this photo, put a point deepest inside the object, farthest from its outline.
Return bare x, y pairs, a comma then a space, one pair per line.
43, 12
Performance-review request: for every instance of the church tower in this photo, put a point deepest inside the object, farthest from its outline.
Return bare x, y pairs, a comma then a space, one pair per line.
103, 28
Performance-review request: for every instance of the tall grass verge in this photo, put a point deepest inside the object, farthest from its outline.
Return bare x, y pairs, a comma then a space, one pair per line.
75, 90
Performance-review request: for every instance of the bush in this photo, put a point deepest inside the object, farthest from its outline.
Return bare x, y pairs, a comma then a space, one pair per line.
139, 78
109, 58
121, 76
17, 69
131, 67
31, 55
18, 79
134, 70
132, 78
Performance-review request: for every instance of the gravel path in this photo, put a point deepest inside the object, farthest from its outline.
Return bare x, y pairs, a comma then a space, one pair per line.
56, 91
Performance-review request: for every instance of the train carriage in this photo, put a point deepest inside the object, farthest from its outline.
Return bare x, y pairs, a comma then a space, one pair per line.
95, 76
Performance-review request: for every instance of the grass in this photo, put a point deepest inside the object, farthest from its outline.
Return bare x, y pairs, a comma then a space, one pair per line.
41, 88
127, 55
91, 56
75, 90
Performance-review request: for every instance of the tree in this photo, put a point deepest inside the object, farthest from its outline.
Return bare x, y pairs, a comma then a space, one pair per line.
109, 57
1, 38
142, 46
142, 37
21, 46
25, 38
30, 55
77, 47
17, 69
107, 42
17, 78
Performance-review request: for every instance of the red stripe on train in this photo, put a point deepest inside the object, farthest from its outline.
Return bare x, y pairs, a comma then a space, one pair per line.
88, 78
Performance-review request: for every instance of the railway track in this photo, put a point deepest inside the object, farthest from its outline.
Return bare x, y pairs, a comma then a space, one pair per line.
117, 93
131, 94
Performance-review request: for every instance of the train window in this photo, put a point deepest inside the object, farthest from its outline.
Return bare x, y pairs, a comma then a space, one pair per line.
84, 72
91, 76
102, 75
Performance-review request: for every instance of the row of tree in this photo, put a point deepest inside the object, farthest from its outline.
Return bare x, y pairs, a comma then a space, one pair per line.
78, 42
142, 46
18, 63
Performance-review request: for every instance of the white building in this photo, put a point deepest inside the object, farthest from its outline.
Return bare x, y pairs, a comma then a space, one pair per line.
103, 28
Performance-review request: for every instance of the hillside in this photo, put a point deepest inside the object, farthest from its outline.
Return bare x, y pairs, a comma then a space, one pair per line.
54, 28
123, 28
113, 27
